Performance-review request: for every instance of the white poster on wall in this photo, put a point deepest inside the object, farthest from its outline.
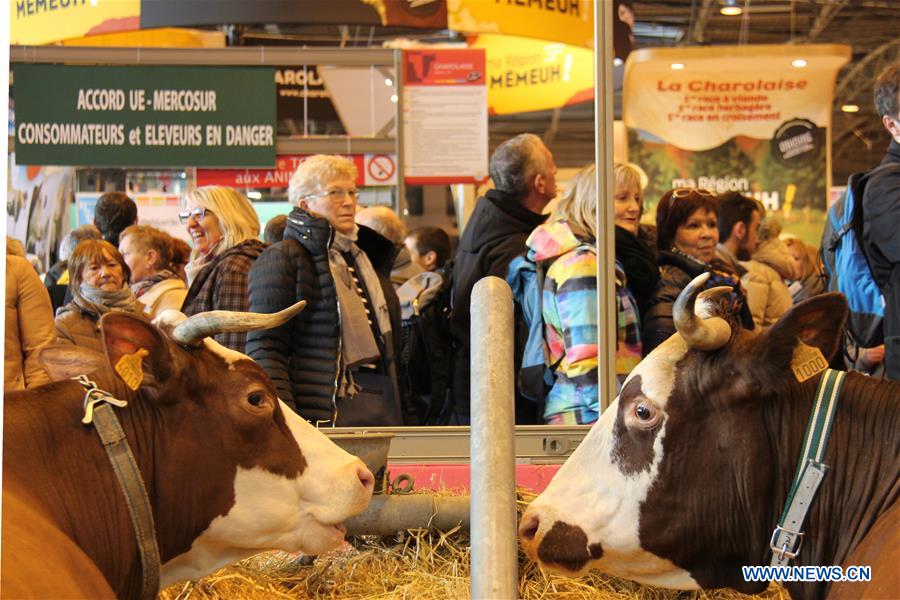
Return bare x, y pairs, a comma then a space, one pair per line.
445, 135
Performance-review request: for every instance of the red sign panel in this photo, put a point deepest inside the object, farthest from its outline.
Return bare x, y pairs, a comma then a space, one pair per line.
444, 67
279, 177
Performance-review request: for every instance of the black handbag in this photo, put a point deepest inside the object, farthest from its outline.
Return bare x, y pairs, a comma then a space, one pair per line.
375, 405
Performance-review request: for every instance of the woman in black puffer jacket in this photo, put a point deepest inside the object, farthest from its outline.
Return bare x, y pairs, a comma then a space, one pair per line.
334, 362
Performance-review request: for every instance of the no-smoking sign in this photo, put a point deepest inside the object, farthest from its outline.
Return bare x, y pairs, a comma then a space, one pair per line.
381, 169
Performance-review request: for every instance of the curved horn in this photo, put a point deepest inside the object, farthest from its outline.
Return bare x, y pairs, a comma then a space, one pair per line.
706, 334
206, 324
711, 301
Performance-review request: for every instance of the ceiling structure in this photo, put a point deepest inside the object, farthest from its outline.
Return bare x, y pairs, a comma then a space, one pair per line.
870, 27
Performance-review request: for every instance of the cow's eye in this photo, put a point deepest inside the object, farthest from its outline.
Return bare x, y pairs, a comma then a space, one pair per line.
256, 399
644, 413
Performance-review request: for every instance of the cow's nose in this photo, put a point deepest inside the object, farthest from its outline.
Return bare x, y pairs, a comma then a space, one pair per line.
529, 526
366, 478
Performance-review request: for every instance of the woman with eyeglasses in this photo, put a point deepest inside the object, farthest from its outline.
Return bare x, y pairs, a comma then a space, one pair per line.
225, 230
686, 236
334, 362
99, 283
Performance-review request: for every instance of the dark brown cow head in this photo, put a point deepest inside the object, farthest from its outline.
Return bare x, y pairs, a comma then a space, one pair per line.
232, 470
655, 492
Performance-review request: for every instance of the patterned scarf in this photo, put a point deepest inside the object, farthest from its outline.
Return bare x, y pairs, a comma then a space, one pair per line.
97, 302
193, 268
357, 341
140, 288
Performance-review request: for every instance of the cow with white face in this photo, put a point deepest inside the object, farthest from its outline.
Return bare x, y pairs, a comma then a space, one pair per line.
228, 469
682, 480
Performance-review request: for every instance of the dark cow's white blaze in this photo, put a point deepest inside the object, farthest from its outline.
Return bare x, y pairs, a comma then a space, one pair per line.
594, 492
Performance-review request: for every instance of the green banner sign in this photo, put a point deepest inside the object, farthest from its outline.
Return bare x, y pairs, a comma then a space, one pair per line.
145, 116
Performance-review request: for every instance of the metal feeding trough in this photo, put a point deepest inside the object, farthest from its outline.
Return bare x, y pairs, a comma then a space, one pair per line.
372, 449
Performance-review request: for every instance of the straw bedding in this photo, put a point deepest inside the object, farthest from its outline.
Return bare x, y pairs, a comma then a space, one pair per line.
415, 564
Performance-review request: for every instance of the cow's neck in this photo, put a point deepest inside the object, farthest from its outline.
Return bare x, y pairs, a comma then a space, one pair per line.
170, 478
59, 443
861, 483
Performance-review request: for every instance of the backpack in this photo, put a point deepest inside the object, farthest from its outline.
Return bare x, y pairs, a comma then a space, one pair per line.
424, 366
526, 280
847, 268
535, 376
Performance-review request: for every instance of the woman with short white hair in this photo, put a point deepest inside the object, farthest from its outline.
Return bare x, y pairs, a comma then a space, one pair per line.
225, 230
334, 362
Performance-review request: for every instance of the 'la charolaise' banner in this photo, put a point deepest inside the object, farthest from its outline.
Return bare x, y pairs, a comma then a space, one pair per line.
751, 119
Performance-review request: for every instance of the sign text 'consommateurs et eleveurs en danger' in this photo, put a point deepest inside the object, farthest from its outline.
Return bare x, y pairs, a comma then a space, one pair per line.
144, 116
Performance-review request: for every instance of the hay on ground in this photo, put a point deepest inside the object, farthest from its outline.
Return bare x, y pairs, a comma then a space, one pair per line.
416, 564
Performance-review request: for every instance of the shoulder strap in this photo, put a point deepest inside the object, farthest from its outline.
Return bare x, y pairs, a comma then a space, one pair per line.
539, 276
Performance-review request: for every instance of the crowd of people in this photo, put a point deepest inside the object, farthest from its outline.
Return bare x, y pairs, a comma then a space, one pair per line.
337, 362
347, 359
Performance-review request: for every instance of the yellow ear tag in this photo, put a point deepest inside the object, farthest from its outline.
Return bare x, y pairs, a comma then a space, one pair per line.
807, 361
129, 368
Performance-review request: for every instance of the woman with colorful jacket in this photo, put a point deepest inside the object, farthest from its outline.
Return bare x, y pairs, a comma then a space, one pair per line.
566, 249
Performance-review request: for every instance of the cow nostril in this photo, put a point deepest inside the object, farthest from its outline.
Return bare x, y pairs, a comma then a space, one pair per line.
528, 527
366, 478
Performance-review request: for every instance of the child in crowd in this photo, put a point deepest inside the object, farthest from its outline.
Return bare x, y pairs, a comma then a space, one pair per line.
808, 279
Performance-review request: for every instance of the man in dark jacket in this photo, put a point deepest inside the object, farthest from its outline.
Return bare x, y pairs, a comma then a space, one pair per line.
524, 177
881, 217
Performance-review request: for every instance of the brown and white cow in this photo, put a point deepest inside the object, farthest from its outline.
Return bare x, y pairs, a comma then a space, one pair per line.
682, 480
229, 470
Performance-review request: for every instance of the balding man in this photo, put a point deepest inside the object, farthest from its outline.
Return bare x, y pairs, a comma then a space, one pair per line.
386, 222
524, 177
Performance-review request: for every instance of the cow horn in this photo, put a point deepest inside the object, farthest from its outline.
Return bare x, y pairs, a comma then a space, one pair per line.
206, 324
706, 334
710, 301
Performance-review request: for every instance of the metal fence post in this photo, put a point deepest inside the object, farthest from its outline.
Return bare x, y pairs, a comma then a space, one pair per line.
494, 558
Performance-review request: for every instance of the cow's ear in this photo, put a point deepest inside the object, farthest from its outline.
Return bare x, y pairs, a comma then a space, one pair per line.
817, 322
65, 361
135, 348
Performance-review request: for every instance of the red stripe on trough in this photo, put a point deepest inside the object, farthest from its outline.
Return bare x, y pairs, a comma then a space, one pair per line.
455, 477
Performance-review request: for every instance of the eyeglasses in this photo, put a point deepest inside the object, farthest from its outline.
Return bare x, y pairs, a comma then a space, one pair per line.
336, 195
679, 193
198, 213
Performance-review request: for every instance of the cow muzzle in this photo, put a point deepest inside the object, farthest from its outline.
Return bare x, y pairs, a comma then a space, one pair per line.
556, 545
